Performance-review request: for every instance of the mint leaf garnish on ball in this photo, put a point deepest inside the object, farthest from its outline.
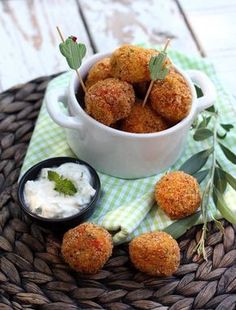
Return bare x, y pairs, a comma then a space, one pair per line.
74, 53
158, 69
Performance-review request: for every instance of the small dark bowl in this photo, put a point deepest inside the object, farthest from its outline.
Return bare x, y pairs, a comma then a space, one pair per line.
61, 224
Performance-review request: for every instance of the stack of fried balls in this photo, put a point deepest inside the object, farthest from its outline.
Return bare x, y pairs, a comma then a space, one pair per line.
116, 87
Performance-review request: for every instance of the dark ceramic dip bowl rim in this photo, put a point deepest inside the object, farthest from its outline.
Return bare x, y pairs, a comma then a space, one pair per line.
33, 172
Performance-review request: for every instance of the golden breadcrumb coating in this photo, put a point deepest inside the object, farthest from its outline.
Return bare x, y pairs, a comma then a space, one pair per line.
130, 63
143, 120
155, 253
171, 98
178, 194
86, 248
99, 71
109, 100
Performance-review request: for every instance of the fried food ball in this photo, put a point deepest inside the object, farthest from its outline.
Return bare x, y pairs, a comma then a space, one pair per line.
143, 120
99, 71
155, 253
86, 248
109, 100
178, 194
171, 98
130, 63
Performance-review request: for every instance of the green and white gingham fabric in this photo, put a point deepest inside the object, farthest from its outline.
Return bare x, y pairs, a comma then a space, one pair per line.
127, 207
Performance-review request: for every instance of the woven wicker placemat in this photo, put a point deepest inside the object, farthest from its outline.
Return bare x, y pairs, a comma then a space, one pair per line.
34, 276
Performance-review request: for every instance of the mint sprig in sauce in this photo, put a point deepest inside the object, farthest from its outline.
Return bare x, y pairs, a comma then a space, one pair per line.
62, 185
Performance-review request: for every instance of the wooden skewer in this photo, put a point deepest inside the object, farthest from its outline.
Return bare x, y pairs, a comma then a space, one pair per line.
77, 70
166, 45
148, 92
152, 82
60, 34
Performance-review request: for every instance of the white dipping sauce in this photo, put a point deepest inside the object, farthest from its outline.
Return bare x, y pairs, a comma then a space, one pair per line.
43, 200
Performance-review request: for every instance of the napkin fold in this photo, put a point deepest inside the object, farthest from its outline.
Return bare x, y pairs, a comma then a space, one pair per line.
124, 220
127, 207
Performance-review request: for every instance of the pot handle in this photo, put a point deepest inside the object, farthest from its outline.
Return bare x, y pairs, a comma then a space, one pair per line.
53, 98
209, 92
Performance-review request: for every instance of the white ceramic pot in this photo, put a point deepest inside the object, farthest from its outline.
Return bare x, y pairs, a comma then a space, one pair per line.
123, 154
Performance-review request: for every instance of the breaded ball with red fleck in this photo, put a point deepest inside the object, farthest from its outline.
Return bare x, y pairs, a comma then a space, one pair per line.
109, 100
86, 248
130, 63
155, 253
99, 71
178, 194
143, 119
171, 98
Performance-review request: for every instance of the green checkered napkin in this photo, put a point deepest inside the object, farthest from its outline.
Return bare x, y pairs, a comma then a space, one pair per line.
127, 207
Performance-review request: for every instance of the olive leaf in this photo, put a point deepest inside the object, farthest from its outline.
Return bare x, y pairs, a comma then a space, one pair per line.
211, 109
179, 227
158, 70
228, 154
73, 52
231, 180
219, 136
201, 175
221, 205
202, 134
195, 122
220, 180
227, 127
198, 91
196, 162
204, 122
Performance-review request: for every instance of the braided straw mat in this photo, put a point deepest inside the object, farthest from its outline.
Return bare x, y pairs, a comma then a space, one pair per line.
34, 276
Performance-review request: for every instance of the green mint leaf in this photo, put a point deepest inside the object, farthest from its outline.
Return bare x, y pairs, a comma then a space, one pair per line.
157, 68
73, 52
196, 162
202, 134
53, 176
62, 185
228, 154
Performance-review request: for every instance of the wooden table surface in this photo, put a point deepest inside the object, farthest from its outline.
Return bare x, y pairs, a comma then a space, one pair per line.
29, 41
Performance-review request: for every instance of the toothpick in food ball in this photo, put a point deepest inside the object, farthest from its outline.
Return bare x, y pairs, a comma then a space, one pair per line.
74, 53
158, 69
